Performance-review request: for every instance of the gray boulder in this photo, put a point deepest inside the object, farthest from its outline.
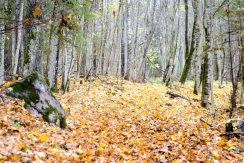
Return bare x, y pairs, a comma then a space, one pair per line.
39, 100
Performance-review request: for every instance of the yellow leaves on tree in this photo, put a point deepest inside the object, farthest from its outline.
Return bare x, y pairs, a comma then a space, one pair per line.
36, 11
26, 21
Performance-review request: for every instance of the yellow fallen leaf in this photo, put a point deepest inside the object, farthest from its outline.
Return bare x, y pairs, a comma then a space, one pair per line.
159, 136
157, 115
174, 137
229, 145
21, 145
204, 125
180, 134
101, 145
82, 122
215, 154
136, 142
53, 150
15, 157
43, 137
222, 142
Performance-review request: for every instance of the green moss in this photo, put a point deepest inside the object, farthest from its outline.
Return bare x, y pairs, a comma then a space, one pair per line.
48, 112
29, 96
26, 106
46, 80
63, 121
34, 76
54, 89
51, 115
26, 58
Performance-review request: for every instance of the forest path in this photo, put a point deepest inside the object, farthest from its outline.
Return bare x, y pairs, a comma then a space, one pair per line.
119, 120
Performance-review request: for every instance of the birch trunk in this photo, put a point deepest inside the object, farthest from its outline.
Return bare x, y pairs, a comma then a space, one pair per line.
2, 44
19, 35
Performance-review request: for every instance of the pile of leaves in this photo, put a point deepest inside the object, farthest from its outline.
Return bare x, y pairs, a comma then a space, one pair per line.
115, 120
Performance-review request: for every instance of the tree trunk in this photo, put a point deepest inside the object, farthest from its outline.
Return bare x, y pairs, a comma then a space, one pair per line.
186, 29
2, 44
128, 44
19, 35
234, 80
189, 54
51, 57
122, 41
206, 85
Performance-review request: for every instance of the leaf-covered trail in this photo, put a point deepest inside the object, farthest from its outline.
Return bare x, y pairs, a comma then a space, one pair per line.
109, 121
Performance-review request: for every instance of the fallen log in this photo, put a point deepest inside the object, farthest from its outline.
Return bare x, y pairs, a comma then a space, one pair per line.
174, 95
230, 135
39, 100
210, 125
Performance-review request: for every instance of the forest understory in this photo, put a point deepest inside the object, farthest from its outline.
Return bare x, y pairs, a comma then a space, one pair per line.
112, 120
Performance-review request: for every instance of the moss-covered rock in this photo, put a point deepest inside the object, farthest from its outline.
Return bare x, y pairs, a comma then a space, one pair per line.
34, 90
51, 115
30, 93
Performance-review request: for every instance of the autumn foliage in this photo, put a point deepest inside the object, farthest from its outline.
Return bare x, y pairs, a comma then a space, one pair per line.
114, 120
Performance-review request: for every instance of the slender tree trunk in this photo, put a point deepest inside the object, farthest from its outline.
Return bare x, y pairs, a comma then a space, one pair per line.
59, 46
128, 44
19, 35
206, 85
122, 41
64, 68
197, 67
186, 29
50, 66
2, 44
172, 44
82, 65
13, 39
222, 71
148, 37
189, 54
241, 51
95, 42
232, 76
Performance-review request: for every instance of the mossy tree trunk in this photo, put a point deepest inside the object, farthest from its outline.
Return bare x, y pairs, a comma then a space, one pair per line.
205, 78
38, 99
189, 56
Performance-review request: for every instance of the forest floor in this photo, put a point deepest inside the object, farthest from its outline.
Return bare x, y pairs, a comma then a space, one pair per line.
110, 120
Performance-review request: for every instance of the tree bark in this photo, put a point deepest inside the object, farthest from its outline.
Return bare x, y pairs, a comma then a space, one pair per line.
122, 41
205, 75
2, 44
186, 29
19, 35
189, 54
